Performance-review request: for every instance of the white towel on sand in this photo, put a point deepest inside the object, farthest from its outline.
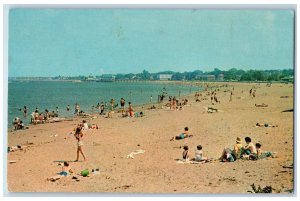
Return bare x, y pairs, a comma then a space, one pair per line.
134, 153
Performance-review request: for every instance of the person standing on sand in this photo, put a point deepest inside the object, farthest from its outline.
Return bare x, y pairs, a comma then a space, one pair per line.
253, 94
101, 108
122, 103
250, 92
130, 110
79, 135
112, 102
174, 103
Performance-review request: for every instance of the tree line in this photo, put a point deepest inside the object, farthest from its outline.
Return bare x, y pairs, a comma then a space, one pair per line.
230, 75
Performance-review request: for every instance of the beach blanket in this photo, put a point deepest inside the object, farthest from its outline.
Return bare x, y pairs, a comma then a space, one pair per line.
182, 161
131, 155
189, 162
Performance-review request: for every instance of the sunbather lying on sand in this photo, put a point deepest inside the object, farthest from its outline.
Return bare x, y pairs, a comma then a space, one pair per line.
182, 135
261, 105
66, 171
265, 125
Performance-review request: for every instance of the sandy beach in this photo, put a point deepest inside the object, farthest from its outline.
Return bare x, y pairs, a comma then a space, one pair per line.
156, 170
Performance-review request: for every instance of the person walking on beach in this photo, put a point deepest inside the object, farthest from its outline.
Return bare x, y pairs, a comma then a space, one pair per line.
79, 135
215, 98
250, 92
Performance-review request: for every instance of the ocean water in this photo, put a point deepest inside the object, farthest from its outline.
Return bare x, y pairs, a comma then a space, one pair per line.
49, 95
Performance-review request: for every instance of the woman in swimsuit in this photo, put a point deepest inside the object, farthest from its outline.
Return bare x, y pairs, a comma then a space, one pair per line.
79, 135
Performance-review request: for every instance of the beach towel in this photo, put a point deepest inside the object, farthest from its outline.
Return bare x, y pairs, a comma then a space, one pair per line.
135, 153
183, 161
189, 162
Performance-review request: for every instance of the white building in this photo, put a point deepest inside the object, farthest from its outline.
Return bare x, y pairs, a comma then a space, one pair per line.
164, 76
107, 78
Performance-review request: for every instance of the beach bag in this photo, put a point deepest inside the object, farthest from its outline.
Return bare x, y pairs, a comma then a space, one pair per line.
85, 172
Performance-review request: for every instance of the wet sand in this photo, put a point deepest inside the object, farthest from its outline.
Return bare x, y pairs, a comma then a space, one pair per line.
156, 170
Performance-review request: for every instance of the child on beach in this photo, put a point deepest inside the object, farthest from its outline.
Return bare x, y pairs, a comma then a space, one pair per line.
85, 126
183, 135
259, 153
66, 169
79, 135
185, 153
199, 154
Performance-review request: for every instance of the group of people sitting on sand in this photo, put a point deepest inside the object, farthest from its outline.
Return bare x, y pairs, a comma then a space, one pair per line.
42, 117
18, 124
198, 154
174, 103
249, 151
85, 126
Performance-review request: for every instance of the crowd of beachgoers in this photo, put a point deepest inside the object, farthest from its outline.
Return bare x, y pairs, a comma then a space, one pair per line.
250, 151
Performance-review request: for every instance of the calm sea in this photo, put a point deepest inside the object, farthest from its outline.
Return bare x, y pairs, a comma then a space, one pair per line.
49, 95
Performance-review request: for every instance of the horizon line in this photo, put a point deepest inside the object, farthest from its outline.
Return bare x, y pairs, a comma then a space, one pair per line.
163, 72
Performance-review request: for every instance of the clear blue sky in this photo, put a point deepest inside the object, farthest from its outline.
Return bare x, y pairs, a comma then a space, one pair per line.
51, 42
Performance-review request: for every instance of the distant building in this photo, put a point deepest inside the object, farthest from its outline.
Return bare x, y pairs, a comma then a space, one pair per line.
107, 78
206, 77
288, 79
164, 76
220, 77
91, 78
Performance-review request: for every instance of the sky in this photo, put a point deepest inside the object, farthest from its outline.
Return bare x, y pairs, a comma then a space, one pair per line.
71, 42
